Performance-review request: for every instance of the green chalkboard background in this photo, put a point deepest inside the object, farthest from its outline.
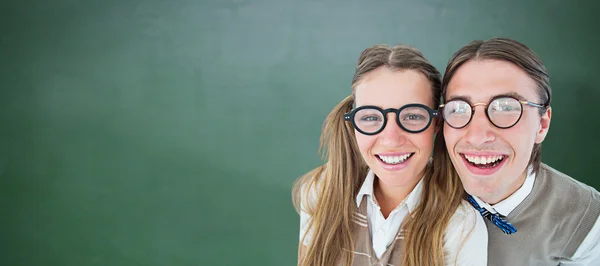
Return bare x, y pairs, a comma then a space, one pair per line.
169, 132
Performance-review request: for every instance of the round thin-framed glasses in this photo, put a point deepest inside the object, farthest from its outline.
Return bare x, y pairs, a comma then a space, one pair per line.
502, 111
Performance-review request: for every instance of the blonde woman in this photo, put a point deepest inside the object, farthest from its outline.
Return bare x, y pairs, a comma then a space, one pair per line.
379, 199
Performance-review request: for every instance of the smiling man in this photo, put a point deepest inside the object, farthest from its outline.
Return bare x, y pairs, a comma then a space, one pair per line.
497, 113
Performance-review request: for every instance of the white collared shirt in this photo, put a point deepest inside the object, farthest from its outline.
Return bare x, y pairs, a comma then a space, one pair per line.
465, 239
587, 253
383, 231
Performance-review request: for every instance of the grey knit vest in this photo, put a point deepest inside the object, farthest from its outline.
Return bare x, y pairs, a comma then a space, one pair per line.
364, 254
552, 222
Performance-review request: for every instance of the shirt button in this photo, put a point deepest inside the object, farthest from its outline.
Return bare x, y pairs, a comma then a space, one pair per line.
381, 232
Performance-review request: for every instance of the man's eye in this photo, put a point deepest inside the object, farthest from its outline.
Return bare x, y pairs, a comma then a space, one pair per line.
458, 111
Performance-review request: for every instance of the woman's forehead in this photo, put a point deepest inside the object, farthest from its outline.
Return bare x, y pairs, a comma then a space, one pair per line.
386, 88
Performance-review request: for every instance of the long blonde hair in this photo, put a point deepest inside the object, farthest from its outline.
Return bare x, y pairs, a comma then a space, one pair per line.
342, 175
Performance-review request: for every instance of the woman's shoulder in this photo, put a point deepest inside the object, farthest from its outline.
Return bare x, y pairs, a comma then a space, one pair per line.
465, 210
467, 218
310, 187
466, 237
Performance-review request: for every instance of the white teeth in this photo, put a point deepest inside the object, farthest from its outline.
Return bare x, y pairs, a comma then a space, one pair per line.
395, 159
483, 159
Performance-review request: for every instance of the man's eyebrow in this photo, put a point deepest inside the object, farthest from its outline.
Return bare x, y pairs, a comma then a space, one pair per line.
467, 98
512, 94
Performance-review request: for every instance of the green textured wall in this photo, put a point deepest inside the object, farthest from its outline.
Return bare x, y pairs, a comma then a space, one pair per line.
170, 132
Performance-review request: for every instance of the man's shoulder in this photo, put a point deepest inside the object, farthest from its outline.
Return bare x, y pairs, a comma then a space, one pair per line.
574, 205
560, 181
566, 196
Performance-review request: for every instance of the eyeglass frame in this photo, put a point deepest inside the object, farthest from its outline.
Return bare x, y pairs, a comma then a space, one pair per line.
522, 102
350, 117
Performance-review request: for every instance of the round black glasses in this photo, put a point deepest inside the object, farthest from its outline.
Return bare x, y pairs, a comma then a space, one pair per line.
371, 120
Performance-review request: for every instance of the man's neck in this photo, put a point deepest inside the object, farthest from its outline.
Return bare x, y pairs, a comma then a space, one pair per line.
504, 193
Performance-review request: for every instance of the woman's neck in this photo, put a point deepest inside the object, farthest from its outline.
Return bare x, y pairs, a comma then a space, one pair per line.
389, 197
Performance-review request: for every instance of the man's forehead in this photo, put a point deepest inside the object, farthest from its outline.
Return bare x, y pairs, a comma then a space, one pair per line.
482, 80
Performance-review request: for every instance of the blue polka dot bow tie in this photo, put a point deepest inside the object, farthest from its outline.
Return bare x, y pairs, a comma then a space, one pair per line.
495, 218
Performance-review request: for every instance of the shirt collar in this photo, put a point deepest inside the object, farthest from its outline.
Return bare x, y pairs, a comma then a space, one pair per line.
507, 205
413, 199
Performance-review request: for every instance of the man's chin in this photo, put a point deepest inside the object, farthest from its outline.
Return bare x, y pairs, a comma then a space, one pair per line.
478, 184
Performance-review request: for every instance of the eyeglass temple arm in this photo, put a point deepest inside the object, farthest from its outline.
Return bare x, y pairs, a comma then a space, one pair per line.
534, 104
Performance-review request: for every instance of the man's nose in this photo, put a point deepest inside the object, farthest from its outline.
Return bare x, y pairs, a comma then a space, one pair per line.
480, 130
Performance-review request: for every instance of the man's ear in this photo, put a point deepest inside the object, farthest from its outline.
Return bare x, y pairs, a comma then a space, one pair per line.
544, 126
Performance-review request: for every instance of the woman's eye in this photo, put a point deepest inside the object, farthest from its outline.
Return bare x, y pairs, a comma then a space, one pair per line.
413, 117
370, 118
